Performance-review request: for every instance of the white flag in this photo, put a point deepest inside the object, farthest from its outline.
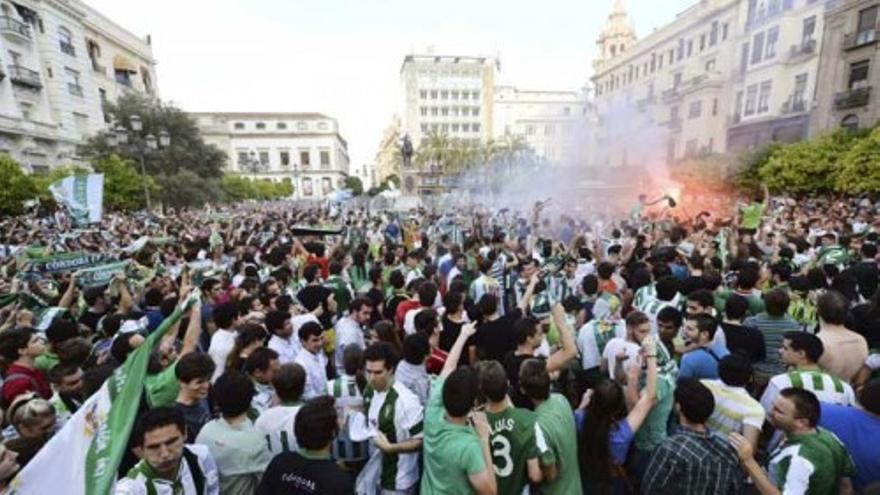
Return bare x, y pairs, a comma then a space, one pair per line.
83, 195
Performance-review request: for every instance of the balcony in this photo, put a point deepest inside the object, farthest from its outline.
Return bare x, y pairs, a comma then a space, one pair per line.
68, 49
673, 123
802, 52
75, 89
15, 29
853, 98
704, 81
860, 39
793, 105
25, 77
98, 67
673, 93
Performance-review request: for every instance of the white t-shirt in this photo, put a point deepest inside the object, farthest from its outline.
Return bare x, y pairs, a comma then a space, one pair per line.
222, 343
287, 349
315, 366
586, 341
614, 347
277, 423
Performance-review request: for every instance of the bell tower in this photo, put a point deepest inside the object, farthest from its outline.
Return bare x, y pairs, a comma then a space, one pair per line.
616, 37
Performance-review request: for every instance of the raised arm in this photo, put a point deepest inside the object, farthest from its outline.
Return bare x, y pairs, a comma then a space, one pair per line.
467, 331
560, 358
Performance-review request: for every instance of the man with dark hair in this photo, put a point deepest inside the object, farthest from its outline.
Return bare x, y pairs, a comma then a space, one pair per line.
238, 448
227, 318
261, 366
59, 331
20, 347
347, 392
866, 272
859, 430
517, 431
411, 371
556, 421
850, 348
280, 326
653, 298
398, 294
736, 410
310, 470
277, 422
701, 302
193, 372
451, 322
693, 461
427, 297
167, 466
314, 294
67, 383
809, 460
312, 359
396, 414
457, 456
594, 336
669, 321
801, 352
343, 293
701, 361
350, 328
741, 339
772, 323
493, 333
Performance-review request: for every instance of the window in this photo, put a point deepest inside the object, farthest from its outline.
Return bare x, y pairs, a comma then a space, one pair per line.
764, 97
465, 111
676, 80
423, 111
82, 122
444, 95
673, 113
475, 127
308, 188
772, 38
242, 157
454, 111
123, 77
773, 7
710, 65
744, 58
702, 42
424, 128
238, 126
660, 62
567, 110
323, 126
454, 95
715, 107
261, 126
713, 34
325, 159
680, 52
751, 99
455, 127
690, 148
530, 130
146, 81
302, 126
465, 127
549, 130
757, 47
434, 94
326, 185
444, 127
281, 126
695, 109
738, 106
264, 158
850, 122
858, 74
867, 31
94, 50
65, 41
690, 48
26, 109
653, 62
475, 111
800, 88
434, 111
423, 94
284, 158
435, 127
724, 30
304, 158
475, 95
465, 95
73, 86
809, 30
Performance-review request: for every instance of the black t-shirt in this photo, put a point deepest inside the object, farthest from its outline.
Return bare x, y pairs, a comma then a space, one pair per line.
311, 296
494, 339
293, 474
195, 417
746, 341
90, 319
512, 363
862, 321
449, 334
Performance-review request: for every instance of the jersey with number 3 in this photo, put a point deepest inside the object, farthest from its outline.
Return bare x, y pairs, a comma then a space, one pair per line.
514, 439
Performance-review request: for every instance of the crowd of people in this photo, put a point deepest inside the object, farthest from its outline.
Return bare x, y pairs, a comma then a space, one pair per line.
342, 350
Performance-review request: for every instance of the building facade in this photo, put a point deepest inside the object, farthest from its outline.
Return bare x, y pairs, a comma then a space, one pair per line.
552, 123
305, 149
666, 96
387, 160
850, 68
776, 72
51, 90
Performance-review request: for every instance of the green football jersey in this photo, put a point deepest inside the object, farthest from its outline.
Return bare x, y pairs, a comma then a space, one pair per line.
514, 439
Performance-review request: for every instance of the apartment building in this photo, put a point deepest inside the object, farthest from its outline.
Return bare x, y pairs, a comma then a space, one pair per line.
850, 68
51, 89
305, 149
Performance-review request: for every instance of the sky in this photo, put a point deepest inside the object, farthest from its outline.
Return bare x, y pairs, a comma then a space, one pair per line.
343, 57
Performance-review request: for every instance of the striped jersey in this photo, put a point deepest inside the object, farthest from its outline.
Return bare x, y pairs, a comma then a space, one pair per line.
647, 302
734, 408
277, 424
828, 388
563, 288
346, 395
397, 413
811, 464
486, 284
142, 479
773, 328
540, 305
592, 338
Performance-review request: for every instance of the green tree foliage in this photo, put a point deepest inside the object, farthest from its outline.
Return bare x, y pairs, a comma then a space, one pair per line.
16, 187
860, 166
712, 170
188, 151
238, 188
748, 173
186, 189
807, 166
355, 184
43, 181
123, 185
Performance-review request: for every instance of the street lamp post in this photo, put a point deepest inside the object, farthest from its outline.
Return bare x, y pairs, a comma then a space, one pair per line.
132, 136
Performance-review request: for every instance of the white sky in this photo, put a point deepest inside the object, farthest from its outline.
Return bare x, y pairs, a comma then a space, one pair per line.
342, 57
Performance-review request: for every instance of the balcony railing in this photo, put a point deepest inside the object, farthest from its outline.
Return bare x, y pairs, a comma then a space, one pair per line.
75, 89
860, 39
793, 105
672, 93
673, 123
804, 50
68, 49
853, 98
98, 67
14, 27
25, 77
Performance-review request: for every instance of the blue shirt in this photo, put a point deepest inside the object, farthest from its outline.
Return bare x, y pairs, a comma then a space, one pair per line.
619, 438
860, 433
701, 363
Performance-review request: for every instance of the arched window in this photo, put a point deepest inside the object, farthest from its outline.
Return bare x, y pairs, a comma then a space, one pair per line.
850, 122
65, 41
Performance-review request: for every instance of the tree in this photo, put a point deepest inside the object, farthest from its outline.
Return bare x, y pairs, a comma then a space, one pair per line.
123, 185
188, 151
186, 189
748, 172
808, 166
355, 184
42, 181
16, 187
710, 170
860, 166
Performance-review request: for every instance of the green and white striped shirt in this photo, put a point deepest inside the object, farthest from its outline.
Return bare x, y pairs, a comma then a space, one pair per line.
346, 395
826, 387
398, 414
812, 464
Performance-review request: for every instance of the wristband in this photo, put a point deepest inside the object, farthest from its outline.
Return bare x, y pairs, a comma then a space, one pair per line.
651, 356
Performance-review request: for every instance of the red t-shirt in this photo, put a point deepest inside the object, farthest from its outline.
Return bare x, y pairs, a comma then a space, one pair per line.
324, 263
403, 308
25, 380
436, 360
